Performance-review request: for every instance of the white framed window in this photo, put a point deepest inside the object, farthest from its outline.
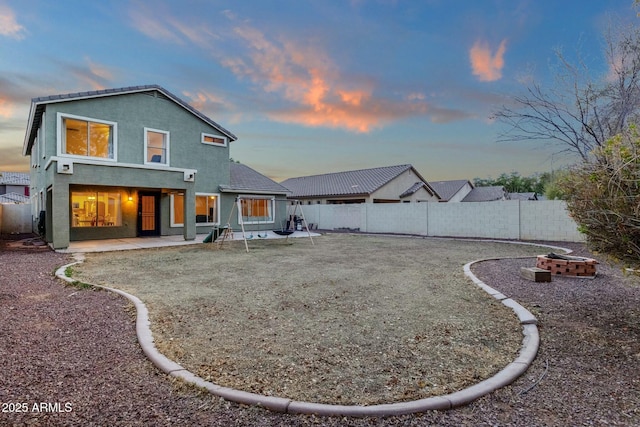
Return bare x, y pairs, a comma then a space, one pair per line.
177, 210
95, 209
257, 209
207, 208
156, 147
84, 137
41, 136
211, 139
35, 151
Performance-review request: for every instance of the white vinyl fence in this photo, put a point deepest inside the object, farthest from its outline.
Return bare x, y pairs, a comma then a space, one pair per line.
15, 218
511, 219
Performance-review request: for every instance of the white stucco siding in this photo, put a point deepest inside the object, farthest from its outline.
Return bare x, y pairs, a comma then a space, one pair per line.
392, 189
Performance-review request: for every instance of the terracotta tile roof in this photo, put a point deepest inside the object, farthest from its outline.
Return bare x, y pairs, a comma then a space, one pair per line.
13, 198
349, 183
486, 194
448, 189
14, 178
415, 187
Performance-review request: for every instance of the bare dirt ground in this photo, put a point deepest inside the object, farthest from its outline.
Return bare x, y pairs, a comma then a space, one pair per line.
354, 320
78, 346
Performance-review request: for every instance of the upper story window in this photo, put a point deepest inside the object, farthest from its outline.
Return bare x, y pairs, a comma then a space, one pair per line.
156, 146
214, 140
82, 136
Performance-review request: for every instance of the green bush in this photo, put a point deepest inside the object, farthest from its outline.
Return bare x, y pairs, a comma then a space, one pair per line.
603, 196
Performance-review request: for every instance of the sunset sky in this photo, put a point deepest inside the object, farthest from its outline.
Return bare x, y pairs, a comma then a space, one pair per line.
313, 86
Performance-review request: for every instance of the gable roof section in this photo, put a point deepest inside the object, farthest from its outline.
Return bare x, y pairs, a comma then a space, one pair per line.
38, 106
14, 178
448, 189
15, 198
245, 179
486, 194
348, 183
411, 190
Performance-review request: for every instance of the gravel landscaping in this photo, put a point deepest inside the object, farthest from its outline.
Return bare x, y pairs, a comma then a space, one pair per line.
78, 346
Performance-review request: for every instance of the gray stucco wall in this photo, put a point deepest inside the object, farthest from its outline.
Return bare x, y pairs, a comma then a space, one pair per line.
132, 113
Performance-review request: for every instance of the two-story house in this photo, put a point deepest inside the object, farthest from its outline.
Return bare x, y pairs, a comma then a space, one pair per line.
128, 162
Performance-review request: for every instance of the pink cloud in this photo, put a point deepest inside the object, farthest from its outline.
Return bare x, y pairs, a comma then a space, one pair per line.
154, 23
300, 74
307, 77
485, 66
97, 76
9, 25
6, 108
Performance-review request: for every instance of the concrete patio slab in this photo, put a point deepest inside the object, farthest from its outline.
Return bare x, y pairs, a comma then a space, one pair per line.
108, 245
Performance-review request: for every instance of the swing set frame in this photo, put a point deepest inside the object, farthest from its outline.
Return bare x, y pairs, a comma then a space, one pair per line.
238, 205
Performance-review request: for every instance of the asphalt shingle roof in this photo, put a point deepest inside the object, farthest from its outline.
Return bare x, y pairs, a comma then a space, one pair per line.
14, 178
448, 189
243, 178
357, 182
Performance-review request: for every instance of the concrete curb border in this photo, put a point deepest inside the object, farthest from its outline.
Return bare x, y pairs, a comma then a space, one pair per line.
506, 376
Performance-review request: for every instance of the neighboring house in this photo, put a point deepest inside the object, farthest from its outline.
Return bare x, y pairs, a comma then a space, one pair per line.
260, 197
452, 191
128, 162
391, 184
487, 194
13, 198
524, 196
14, 187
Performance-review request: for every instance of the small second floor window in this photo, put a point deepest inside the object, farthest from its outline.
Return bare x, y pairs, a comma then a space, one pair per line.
156, 146
87, 138
214, 140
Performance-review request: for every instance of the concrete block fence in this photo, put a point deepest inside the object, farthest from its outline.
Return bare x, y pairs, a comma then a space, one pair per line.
510, 219
15, 218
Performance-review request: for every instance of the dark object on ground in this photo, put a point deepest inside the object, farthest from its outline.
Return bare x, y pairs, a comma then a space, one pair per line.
536, 274
42, 221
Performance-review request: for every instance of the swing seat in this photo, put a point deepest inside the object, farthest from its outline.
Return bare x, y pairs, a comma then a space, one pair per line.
283, 232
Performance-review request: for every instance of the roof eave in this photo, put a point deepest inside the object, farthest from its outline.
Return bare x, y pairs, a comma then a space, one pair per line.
428, 186
227, 189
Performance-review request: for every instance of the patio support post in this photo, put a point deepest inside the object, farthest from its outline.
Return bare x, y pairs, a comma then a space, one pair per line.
60, 213
189, 229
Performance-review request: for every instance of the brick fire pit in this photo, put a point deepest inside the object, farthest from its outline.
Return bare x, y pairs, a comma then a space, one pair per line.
564, 265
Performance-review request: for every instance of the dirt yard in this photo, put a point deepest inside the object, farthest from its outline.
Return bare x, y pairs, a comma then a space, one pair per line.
351, 320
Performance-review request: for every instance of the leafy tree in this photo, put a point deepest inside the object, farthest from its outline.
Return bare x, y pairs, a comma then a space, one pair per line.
579, 114
514, 183
604, 196
553, 189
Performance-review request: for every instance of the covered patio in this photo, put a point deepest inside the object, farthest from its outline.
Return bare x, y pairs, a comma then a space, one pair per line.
106, 245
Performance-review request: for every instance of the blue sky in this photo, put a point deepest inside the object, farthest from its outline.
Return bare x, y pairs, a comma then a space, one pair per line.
312, 86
